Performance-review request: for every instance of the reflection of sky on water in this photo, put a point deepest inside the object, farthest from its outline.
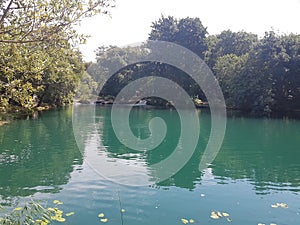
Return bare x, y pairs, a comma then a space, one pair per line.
252, 152
255, 169
116, 169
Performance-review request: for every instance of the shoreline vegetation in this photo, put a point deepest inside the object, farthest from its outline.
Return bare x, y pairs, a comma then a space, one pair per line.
205, 105
41, 66
258, 76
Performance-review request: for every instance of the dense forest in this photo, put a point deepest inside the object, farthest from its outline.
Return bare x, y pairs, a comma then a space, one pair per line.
41, 66
257, 75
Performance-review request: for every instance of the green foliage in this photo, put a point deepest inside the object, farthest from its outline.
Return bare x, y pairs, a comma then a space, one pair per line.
32, 213
32, 75
110, 60
264, 80
188, 32
40, 21
227, 70
38, 61
256, 75
86, 89
228, 42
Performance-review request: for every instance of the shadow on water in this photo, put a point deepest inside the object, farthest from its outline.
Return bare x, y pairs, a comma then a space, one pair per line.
263, 151
37, 155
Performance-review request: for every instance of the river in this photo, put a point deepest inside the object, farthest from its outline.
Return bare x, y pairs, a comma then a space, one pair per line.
257, 166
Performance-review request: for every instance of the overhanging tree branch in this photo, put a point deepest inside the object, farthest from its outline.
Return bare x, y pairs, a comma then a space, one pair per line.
5, 12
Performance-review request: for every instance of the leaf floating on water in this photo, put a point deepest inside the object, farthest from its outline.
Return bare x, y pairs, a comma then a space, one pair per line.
104, 220
57, 202
70, 214
214, 215
192, 221
202, 195
282, 205
218, 215
123, 210
60, 219
101, 215
18, 209
225, 214
261, 224
42, 222
184, 221
273, 224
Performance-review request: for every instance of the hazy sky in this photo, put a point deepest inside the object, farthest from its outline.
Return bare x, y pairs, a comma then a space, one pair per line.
130, 20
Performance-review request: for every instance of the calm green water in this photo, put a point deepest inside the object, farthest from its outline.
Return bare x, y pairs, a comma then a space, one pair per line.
257, 166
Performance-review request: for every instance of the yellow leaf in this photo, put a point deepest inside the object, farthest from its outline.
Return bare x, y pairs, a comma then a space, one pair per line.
283, 205
70, 214
214, 215
60, 219
192, 221
225, 214
58, 212
57, 202
184, 221
219, 214
104, 220
101, 215
45, 222
18, 209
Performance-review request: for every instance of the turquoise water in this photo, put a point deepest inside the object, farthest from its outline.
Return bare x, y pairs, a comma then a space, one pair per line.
257, 166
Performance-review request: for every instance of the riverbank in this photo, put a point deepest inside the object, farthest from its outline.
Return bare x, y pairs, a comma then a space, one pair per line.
18, 113
7, 117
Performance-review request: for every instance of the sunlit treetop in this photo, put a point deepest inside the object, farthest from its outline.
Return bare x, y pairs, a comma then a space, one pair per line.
23, 21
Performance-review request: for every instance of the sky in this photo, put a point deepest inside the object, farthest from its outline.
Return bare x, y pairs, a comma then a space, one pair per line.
131, 20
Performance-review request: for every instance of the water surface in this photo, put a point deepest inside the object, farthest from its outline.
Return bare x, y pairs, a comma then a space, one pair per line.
257, 166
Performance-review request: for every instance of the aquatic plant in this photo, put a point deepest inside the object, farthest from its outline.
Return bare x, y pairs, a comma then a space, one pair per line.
33, 213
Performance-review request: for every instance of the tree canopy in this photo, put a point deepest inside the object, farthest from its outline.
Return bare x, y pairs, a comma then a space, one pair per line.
188, 32
40, 65
257, 75
39, 61
264, 79
37, 21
